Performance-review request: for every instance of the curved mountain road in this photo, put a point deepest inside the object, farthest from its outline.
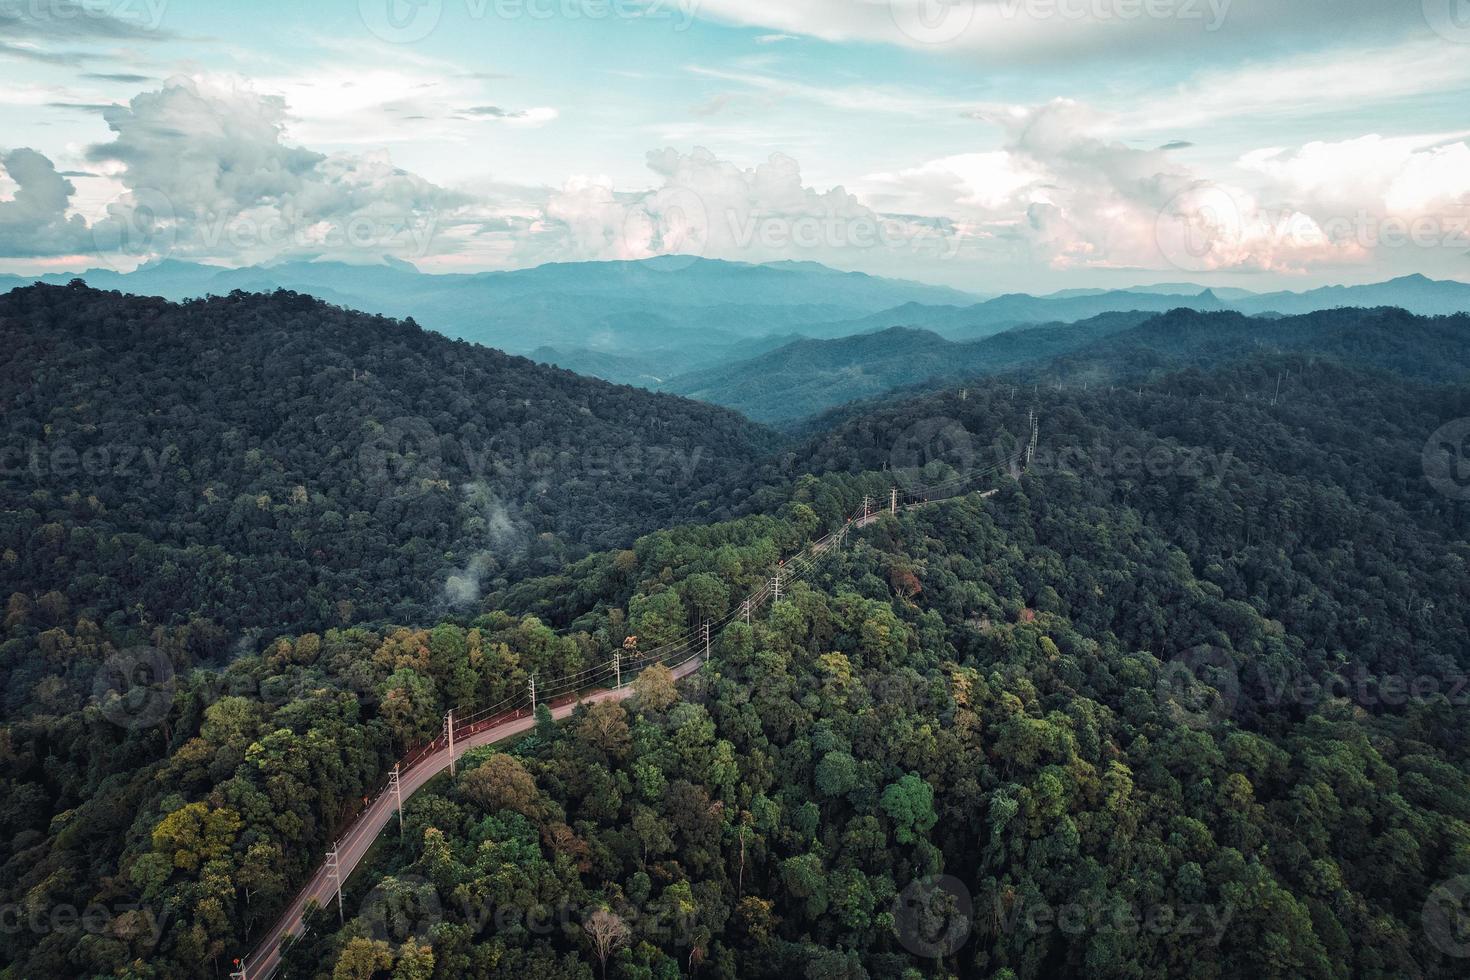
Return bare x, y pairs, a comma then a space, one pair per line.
358, 839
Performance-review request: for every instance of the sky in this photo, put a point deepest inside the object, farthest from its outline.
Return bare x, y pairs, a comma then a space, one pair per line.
990, 145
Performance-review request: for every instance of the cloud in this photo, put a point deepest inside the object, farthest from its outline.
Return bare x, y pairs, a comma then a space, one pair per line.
138, 20
502, 537
34, 222
528, 117
399, 101
1304, 86
124, 78
1062, 193
706, 206
866, 99
1404, 175
493, 111
1019, 31
207, 173
30, 53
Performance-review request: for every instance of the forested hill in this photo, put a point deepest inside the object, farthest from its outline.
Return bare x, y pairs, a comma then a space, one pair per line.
1127, 348
1424, 348
807, 376
270, 461
1205, 659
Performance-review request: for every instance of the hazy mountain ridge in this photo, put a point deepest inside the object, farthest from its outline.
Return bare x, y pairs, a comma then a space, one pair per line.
602, 305
1416, 294
810, 376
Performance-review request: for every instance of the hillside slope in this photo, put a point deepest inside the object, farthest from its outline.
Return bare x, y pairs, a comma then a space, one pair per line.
810, 376
1107, 690
265, 460
1114, 685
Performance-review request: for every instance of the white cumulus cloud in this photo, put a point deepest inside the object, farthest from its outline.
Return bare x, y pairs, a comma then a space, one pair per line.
207, 173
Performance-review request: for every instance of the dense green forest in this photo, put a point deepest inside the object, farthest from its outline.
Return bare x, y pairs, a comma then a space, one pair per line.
1187, 697
806, 376
258, 463
1091, 726
1117, 349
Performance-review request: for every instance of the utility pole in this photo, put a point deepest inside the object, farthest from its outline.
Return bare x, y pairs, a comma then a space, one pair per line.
776, 585
533, 693
893, 501
745, 608
398, 793
617, 669
1033, 424
706, 639
334, 871
449, 730
867, 500
239, 971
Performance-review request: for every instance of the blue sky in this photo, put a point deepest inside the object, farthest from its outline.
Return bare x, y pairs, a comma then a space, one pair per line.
986, 144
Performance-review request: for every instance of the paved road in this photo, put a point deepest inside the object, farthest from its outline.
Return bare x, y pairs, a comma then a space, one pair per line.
359, 837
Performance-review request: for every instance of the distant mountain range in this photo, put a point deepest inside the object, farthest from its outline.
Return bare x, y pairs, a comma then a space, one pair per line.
1417, 294
732, 333
613, 307
1432, 349
810, 376
901, 347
